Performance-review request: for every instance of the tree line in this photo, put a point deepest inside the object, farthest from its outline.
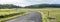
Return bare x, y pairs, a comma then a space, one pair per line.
9, 6
44, 6
31, 6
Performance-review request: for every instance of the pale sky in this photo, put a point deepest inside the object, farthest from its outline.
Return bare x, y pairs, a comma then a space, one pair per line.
29, 2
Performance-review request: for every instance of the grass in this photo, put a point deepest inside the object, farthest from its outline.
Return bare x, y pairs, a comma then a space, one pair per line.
56, 14
53, 13
9, 18
4, 12
7, 11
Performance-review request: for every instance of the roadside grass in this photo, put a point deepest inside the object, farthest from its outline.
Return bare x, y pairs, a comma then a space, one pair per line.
54, 14
7, 11
4, 12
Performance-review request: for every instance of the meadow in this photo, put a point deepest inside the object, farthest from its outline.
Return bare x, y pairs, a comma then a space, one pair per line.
48, 14
8, 14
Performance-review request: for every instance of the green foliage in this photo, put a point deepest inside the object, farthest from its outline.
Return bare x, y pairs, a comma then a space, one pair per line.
44, 6
8, 6
4, 16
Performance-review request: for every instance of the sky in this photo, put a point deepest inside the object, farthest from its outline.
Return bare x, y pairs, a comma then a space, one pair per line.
29, 2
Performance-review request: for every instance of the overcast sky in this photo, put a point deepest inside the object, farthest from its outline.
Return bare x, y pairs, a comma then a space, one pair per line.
29, 2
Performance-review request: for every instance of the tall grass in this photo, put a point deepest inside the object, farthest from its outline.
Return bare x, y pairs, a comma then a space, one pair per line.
54, 14
7, 14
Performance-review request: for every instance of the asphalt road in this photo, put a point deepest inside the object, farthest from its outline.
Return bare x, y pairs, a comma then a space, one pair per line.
31, 17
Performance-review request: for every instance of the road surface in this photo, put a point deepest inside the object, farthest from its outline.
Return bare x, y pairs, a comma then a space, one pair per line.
31, 17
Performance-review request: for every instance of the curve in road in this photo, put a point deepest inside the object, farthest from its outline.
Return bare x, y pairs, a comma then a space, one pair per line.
31, 17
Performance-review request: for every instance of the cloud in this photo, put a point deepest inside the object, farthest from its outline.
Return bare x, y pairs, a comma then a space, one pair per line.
8, 1
57, 2
26, 2
41, 1
15, 2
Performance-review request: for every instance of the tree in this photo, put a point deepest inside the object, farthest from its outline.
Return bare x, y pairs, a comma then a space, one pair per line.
8, 6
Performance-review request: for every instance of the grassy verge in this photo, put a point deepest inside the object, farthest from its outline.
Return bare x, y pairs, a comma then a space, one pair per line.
8, 18
7, 12
54, 14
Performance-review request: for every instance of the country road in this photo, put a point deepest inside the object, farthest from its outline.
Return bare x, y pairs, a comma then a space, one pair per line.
31, 17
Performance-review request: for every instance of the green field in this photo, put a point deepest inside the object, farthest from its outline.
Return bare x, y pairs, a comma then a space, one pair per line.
53, 13
7, 14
